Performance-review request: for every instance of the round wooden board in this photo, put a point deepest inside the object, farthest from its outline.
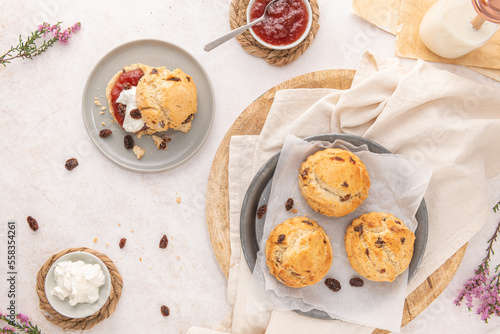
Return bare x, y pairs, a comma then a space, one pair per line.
250, 122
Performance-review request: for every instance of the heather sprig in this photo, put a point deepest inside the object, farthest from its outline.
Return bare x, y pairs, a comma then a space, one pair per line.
22, 325
30, 49
483, 287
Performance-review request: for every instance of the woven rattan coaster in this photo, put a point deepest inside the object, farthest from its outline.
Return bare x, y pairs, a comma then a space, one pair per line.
238, 18
90, 321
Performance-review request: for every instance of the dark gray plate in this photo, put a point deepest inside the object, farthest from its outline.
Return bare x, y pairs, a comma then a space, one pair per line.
258, 194
183, 145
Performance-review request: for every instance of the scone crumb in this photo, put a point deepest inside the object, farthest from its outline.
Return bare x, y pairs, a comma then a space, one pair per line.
119, 224
95, 240
96, 102
178, 257
139, 152
101, 113
107, 245
294, 210
140, 259
103, 108
103, 124
161, 142
178, 199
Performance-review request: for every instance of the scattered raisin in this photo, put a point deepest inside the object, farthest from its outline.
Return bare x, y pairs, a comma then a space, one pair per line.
345, 185
403, 240
379, 242
359, 228
164, 241
345, 198
32, 223
262, 211
289, 204
121, 109
154, 71
333, 284
165, 311
281, 238
126, 86
122, 243
304, 173
356, 281
307, 222
135, 114
174, 79
105, 133
367, 252
398, 222
188, 79
128, 142
352, 160
338, 158
188, 119
382, 271
71, 164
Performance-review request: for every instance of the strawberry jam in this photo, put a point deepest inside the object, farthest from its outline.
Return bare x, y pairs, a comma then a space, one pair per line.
131, 78
287, 20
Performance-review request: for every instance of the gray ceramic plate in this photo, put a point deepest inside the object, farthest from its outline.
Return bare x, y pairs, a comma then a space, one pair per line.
183, 145
258, 194
82, 310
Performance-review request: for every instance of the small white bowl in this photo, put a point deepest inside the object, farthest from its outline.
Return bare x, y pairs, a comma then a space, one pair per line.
287, 46
81, 310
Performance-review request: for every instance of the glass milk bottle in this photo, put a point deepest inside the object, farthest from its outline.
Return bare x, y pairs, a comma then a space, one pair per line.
453, 28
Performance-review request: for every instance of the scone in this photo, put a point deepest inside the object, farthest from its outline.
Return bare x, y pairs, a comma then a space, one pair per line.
121, 92
167, 99
334, 182
298, 252
379, 246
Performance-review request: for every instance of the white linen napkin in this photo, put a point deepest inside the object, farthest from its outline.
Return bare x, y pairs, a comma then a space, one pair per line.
428, 114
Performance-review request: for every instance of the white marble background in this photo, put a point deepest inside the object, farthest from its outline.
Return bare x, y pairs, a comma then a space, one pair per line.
42, 126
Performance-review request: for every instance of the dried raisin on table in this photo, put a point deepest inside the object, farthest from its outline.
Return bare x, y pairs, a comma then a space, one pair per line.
333, 284
32, 223
164, 241
128, 142
356, 281
71, 164
122, 243
105, 133
164, 311
289, 204
262, 211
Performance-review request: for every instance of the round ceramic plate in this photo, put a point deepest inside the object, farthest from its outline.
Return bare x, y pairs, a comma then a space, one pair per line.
81, 310
258, 194
183, 145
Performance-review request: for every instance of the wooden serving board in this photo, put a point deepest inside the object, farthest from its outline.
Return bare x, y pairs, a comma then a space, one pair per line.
250, 122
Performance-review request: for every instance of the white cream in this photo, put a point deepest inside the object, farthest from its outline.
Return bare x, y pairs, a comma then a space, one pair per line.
127, 97
79, 281
446, 29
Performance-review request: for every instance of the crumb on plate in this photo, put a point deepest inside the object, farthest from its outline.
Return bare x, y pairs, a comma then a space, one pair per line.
139, 152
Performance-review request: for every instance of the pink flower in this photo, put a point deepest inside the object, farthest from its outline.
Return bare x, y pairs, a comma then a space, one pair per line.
23, 318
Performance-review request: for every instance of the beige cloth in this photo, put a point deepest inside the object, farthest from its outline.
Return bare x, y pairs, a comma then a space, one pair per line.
425, 113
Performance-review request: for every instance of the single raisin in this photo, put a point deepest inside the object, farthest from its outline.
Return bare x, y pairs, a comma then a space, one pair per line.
164, 241
403, 240
135, 114
359, 228
126, 86
352, 160
165, 311
379, 242
144, 127
32, 223
105, 133
188, 119
345, 185
188, 79
367, 252
338, 158
398, 222
161, 124
345, 198
382, 271
71, 164
154, 71
281, 238
307, 222
333, 284
356, 281
289, 204
121, 109
304, 173
122, 243
128, 142
174, 79
262, 211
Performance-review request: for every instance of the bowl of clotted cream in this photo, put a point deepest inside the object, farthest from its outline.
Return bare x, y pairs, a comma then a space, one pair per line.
77, 285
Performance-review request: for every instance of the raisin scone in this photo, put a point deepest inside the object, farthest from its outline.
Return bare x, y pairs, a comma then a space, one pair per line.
167, 99
379, 246
121, 94
334, 182
298, 252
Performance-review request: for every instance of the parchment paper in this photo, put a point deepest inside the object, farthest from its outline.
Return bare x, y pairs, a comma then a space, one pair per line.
397, 187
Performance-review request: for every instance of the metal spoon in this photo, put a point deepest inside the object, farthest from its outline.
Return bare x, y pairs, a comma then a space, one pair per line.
212, 45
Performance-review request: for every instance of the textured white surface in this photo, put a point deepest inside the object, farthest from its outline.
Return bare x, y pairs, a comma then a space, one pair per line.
40, 105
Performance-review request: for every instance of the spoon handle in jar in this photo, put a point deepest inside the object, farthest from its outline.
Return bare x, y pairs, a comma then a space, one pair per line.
212, 45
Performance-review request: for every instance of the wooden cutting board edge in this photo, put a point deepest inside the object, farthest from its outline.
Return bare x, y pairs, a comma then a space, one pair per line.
250, 122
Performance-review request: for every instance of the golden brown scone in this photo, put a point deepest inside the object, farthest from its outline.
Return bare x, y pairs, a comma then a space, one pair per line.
114, 82
298, 252
379, 246
167, 99
334, 182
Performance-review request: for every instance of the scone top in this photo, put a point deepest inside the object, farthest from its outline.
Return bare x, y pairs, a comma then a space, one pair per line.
334, 182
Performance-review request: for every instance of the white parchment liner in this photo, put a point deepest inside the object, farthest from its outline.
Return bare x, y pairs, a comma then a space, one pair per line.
397, 187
